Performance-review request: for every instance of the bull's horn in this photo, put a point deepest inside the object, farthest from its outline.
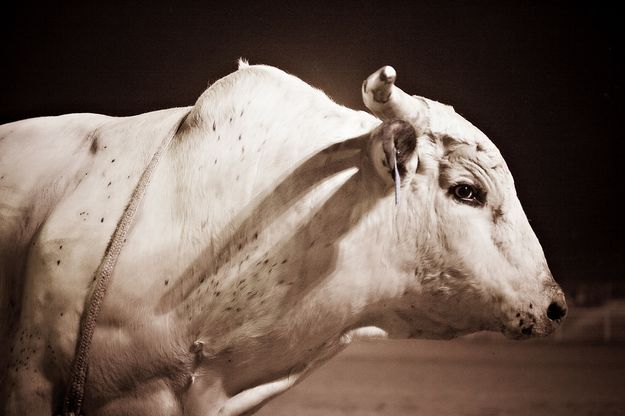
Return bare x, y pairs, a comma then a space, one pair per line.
387, 101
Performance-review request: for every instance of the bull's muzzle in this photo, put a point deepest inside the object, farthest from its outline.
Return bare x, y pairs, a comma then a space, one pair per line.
530, 322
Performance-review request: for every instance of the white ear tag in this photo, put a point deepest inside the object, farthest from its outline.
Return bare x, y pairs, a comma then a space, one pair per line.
397, 179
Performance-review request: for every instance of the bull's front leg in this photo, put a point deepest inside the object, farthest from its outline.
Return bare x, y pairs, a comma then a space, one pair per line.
252, 399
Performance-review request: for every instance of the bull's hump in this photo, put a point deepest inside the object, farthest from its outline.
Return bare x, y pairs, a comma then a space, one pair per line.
257, 124
274, 96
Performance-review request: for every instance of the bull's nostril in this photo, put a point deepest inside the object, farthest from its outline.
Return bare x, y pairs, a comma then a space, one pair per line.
556, 311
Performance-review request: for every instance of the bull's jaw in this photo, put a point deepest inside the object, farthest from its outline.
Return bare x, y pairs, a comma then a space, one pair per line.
516, 320
418, 319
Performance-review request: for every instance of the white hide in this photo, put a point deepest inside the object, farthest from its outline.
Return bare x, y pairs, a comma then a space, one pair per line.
256, 254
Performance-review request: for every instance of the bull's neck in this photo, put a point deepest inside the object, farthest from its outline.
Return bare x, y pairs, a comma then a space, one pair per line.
278, 251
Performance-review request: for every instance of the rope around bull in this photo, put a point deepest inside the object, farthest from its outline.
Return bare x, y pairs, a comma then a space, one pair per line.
72, 402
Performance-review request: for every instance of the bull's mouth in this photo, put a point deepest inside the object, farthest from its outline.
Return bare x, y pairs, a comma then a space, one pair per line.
527, 331
518, 333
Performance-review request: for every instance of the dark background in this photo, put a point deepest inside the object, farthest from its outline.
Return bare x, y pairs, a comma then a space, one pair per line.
544, 80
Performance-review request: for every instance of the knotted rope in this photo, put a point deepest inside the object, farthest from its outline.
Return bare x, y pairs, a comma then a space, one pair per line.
72, 402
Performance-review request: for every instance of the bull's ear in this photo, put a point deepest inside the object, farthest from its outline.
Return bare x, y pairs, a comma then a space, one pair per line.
393, 145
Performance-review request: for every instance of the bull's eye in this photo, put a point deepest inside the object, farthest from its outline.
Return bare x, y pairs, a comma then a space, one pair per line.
467, 194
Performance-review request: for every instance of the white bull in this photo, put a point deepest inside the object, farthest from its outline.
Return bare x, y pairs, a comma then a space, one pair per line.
268, 238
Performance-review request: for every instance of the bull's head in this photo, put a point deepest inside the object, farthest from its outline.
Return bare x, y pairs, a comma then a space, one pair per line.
480, 265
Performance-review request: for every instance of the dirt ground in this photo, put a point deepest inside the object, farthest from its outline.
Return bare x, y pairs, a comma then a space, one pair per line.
463, 377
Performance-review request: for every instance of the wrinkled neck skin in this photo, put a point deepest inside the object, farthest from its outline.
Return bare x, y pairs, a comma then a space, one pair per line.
265, 296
